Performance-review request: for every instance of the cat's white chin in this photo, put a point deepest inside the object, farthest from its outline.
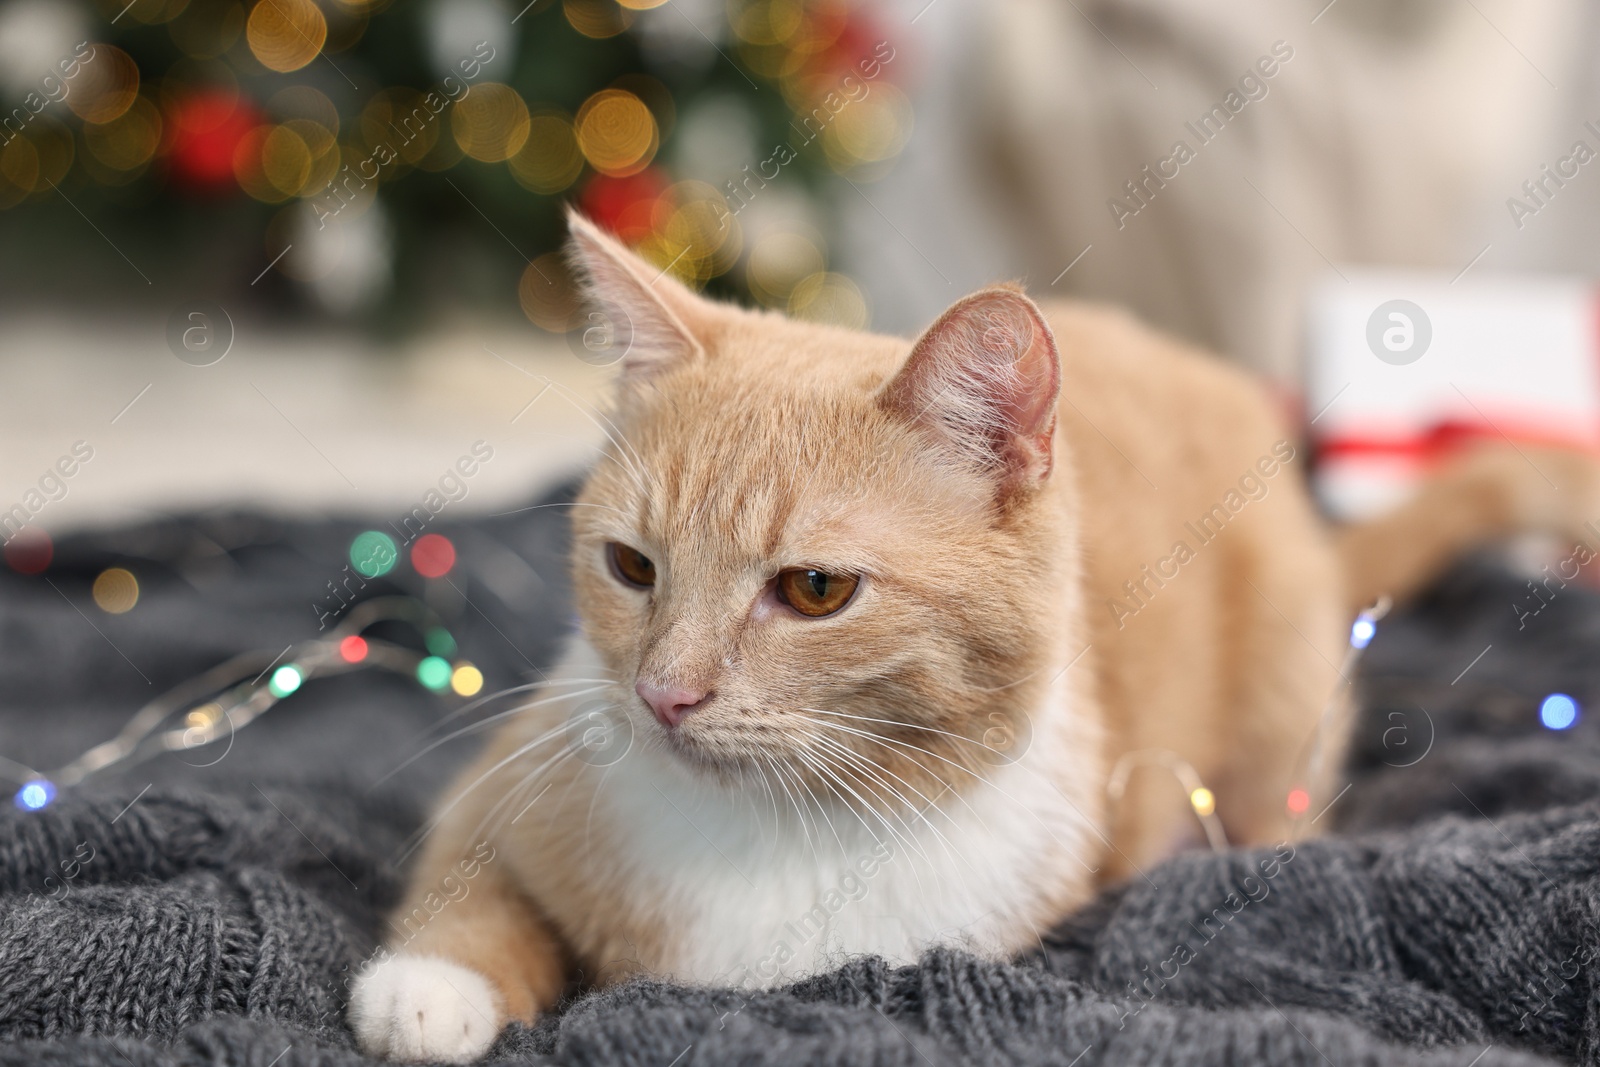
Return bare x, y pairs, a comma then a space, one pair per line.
424, 1009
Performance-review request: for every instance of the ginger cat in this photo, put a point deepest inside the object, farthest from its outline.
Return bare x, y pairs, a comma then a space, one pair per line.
866, 624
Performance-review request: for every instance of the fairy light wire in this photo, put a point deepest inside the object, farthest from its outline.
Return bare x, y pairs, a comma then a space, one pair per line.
245, 686
1202, 802
1311, 773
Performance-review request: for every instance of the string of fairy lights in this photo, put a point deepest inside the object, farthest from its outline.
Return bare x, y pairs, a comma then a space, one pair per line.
658, 133
223, 700
213, 706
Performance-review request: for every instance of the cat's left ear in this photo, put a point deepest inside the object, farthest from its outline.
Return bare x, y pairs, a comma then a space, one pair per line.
644, 314
984, 380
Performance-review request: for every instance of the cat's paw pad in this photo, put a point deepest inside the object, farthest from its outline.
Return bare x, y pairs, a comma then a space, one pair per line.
421, 1008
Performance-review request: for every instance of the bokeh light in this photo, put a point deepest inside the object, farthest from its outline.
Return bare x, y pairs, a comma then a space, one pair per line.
29, 551
35, 161
1558, 711
373, 553
1362, 632
1299, 800
549, 160
35, 795
204, 717
399, 118
305, 102
433, 555
285, 35
1202, 801
617, 133
115, 591
547, 294
765, 22
285, 680
323, 145
466, 680
630, 207
206, 129
285, 161
106, 86
779, 261
439, 642
829, 298
490, 123
19, 171
656, 96
434, 673
128, 142
353, 649
869, 130
597, 18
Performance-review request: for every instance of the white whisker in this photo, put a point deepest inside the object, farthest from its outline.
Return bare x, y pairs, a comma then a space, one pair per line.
490, 721
859, 766
870, 768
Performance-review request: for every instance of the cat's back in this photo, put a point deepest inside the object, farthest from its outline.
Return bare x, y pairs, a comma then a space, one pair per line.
1160, 433
1170, 403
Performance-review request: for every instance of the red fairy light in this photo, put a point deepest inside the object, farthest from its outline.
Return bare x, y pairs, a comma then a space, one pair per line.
30, 551
433, 555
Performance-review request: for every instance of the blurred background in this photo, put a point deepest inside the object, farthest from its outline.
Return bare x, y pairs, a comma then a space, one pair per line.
303, 252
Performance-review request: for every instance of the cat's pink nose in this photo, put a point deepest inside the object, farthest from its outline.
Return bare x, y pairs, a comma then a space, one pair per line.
670, 703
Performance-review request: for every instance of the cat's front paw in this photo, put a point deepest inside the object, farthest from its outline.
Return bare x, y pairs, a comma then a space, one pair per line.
422, 1008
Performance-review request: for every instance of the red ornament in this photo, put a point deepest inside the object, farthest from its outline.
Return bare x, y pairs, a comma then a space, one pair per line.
433, 555
29, 551
206, 130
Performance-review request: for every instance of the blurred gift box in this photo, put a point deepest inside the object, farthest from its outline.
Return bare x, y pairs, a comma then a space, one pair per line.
1407, 368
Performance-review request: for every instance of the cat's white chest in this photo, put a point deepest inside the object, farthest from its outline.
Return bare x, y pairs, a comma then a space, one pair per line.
780, 882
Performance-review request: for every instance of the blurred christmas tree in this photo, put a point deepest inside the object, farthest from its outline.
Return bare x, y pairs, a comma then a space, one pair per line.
369, 159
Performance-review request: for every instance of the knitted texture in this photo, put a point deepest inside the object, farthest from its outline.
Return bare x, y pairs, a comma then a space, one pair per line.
1452, 918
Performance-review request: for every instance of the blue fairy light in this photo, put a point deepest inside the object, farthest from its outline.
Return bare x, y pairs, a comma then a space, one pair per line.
1362, 632
35, 795
1558, 711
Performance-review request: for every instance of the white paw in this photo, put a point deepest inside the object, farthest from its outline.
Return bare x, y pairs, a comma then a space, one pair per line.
421, 1009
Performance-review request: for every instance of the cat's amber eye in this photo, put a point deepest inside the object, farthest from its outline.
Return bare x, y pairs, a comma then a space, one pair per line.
816, 593
631, 565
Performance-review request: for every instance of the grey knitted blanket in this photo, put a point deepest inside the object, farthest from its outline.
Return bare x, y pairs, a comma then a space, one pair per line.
174, 913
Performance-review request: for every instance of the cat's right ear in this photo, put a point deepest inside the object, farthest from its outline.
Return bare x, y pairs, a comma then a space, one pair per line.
642, 315
983, 382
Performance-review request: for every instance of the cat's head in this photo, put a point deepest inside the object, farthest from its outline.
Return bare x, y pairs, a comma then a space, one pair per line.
820, 553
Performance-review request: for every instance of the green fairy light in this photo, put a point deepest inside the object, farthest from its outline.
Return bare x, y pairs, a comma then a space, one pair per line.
440, 643
434, 672
285, 680
373, 553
